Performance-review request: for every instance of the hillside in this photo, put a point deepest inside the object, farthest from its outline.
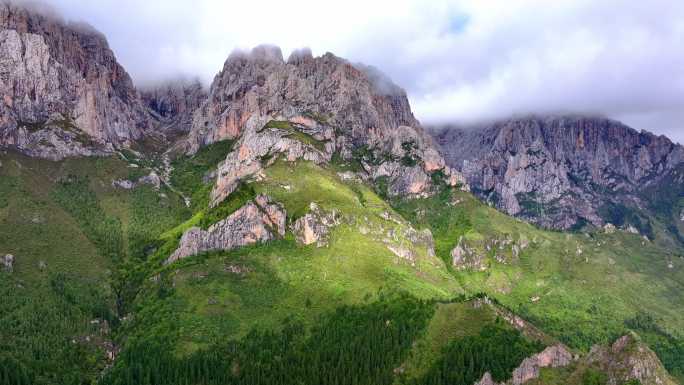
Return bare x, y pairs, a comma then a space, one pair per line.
295, 224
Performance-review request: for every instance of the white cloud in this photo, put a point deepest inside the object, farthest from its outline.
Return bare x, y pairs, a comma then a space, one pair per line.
459, 60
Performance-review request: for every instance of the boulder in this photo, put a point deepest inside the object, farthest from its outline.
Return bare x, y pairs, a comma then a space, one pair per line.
314, 227
8, 262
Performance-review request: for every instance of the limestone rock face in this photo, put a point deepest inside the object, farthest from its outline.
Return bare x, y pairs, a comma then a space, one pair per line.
628, 359
314, 227
258, 221
255, 149
63, 92
558, 171
8, 262
552, 357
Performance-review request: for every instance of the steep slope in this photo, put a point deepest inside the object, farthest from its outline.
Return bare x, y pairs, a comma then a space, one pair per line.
564, 172
63, 92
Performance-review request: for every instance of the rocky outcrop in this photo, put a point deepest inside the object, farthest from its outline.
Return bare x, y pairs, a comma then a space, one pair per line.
629, 359
257, 148
465, 257
555, 356
8, 262
63, 92
314, 227
152, 179
173, 103
261, 220
558, 171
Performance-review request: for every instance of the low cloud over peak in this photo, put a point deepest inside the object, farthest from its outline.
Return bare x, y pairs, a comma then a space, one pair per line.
459, 61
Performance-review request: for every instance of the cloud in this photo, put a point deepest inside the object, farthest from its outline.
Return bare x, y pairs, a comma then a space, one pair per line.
460, 61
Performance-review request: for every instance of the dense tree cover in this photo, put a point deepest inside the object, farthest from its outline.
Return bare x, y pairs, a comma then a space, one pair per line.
41, 336
352, 345
76, 197
498, 349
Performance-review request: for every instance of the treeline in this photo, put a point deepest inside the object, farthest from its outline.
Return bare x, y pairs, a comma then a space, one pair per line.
353, 345
498, 349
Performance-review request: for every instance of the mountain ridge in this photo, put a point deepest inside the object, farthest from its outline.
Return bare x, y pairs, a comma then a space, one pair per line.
295, 223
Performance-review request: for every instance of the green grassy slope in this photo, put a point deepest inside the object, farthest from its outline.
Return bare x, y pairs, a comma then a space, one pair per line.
581, 288
69, 230
232, 312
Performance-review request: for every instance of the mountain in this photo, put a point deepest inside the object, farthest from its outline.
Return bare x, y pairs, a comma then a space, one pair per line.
563, 172
64, 93
295, 224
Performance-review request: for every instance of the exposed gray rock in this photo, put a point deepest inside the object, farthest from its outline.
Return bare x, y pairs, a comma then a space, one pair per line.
258, 221
8, 262
555, 356
559, 171
627, 359
151, 179
253, 150
63, 93
464, 257
314, 227
552, 357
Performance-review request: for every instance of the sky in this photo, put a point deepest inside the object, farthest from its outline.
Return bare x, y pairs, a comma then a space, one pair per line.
460, 62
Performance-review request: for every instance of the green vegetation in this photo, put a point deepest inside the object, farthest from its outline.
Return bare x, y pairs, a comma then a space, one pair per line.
580, 288
189, 171
295, 133
353, 311
496, 349
243, 194
360, 344
76, 198
46, 336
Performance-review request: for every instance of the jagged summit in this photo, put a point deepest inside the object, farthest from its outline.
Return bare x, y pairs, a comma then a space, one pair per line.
260, 83
560, 171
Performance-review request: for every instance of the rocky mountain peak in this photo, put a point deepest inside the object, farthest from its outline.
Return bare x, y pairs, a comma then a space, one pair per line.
63, 91
559, 171
264, 102
260, 83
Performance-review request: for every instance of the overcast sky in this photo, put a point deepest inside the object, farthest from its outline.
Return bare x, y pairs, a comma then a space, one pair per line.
460, 61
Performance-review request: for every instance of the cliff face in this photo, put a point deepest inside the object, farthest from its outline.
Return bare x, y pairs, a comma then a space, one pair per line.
173, 103
328, 89
560, 172
63, 92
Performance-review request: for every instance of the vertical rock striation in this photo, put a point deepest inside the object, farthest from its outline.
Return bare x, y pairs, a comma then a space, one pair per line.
559, 172
63, 92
